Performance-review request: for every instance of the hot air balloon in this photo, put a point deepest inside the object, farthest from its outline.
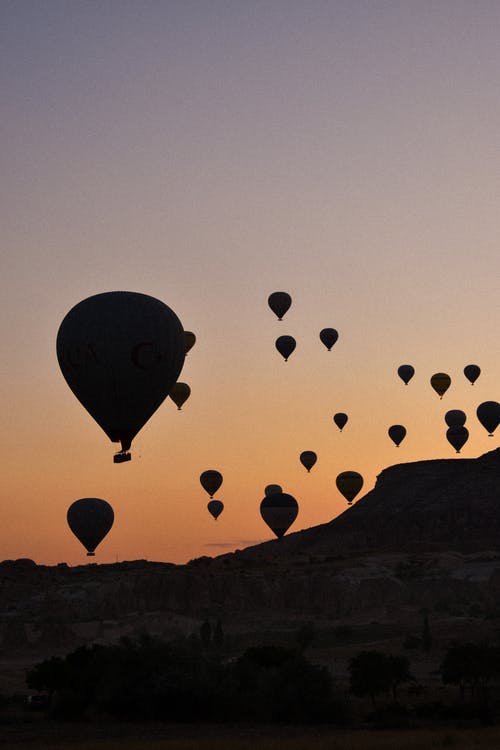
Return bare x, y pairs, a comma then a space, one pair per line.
285, 345
406, 372
349, 484
180, 394
440, 381
457, 435
189, 341
121, 353
328, 336
397, 433
488, 414
340, 420
308, 459
472, 372
279, 511
279, 302
455, 418
90, 519
272, 489
211, 480
215, 508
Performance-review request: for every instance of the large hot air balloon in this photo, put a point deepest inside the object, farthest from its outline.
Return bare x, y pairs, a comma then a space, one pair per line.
457, 435
180, 394
488, 414
397, 433
90, 519
279, 511
215, 508
455, 418
272, 489
472, 372
340, 420
328, 336
121, 353
440, 381
211, 480
279, 302
406, 372
349, 484
189, 340
308, 459
285, 345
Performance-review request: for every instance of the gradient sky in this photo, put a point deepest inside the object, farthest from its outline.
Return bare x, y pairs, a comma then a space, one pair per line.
209, 153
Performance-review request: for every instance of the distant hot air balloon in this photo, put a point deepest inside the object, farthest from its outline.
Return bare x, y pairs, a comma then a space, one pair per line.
328, 336
488, 414
285, 345
272, 489
455, 418
406, 372
90, 519
457, 435
440, 381
308, 459
279, 511
279, 302
189, 340
349, 484
211, 480
340, 420
180, 394
121, 353
215, 508
397, 433
472, 372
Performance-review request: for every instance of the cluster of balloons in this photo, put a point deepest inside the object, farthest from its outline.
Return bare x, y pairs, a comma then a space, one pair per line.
280, 303
211, 480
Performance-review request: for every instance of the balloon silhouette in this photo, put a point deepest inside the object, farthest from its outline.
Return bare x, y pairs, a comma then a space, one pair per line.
406, 372
189, 341
308, 459
285, 345
455, 418
397, 433
472, 372
279, 302
272, 489
180, 394
440, 381
488, 414
340, 420
349, 484
215, 508
121, 353
328, 336
457, 435
211, 480
279, 511
90, 519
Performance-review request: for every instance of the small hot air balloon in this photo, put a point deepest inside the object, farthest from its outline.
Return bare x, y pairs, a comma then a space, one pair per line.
340, 420
440, 381
189, 340
308, 459
406, 372
279, 511
328, 336
285, 345
455, 418
488, 414
272, 489
121, 353
472, 372
279, 302
215, 508
90, 519
349, 484
180, 394
397, 433
457, 435
211, 480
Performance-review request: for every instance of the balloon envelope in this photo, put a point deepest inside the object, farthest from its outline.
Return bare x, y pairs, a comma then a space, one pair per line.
472, 372
397, 433
279, 511
279, 302
215, 508
349, 484
457, 435
121, 353
189, 341
328, 336
455, 418
272, 489
308, 459
488, 414
440, 381
180, 394
90, 519
211, 480
285, 345
406, 372
340, 420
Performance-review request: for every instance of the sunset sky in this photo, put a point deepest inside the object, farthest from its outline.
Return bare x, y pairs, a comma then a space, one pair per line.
209, 153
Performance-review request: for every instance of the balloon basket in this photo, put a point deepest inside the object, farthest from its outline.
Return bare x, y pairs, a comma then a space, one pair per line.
121, 457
